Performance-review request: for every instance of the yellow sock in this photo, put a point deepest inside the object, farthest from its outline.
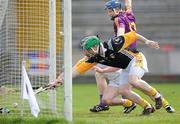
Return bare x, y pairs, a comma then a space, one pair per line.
143, 103
165, 102
152, 92
127, 103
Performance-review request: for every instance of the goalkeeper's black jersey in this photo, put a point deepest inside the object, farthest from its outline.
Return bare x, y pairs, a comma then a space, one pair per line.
114, 58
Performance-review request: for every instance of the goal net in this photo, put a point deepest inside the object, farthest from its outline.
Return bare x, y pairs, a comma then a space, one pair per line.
31, 31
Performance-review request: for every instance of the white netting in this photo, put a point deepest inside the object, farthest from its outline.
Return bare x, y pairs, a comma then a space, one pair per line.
24, 35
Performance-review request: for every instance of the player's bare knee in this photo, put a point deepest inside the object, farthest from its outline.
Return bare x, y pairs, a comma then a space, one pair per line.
106, 101
97, 74
122, 91
133, 81
125, 92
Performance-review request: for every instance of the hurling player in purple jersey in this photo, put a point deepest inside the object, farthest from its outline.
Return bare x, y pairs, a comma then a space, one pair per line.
124, 22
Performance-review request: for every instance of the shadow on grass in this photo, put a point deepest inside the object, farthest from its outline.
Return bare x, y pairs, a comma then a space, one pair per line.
55, 122
7, 120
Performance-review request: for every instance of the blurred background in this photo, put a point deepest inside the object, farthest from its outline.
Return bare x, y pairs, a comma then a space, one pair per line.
158, 20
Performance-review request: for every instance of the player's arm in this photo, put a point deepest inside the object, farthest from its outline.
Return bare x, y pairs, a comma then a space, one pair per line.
105, 70
120, 26
132, 36
79, 68
60, 79
128, 5
82, 66
150, 43
120, 31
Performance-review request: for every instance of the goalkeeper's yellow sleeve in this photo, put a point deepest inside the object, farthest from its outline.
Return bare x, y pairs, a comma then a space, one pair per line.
82, 66
129, 38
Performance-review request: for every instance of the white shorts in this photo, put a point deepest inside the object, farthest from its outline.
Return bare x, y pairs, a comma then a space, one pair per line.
115, 78
120, 80
132, 69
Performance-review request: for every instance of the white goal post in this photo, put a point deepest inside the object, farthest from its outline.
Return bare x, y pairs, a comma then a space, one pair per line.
68, 59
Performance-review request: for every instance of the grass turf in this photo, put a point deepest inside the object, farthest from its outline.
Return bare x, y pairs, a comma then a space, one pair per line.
86, 95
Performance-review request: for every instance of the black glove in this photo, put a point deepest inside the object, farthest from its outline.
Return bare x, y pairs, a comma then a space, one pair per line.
93, 59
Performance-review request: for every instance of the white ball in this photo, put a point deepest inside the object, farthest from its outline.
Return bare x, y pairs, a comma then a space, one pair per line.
15, 104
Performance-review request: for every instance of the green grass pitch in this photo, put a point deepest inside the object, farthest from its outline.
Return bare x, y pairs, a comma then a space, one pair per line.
86, 95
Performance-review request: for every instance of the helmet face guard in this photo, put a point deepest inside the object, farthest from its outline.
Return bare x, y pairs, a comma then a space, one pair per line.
90, 45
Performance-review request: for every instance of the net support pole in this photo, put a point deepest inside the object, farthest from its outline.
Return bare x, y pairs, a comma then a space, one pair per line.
67, 61
52, 50
4, 6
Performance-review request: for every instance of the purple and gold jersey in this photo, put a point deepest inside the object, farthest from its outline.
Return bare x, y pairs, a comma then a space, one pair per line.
125, 20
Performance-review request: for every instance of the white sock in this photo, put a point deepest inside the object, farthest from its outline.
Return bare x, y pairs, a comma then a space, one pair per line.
157, 95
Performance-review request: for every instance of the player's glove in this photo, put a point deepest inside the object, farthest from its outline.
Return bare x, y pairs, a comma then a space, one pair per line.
56, 83
93, 59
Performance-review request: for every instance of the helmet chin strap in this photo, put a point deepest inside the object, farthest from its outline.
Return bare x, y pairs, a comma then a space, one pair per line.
113, 17
116, 11
96, 51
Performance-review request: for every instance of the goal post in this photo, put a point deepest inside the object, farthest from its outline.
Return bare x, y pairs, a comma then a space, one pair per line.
68, 60
52, 50
36, 31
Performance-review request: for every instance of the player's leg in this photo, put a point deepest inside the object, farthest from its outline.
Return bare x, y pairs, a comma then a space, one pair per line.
101, 85
166, 105
136, 70
125, 90
137, 83
110, 98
